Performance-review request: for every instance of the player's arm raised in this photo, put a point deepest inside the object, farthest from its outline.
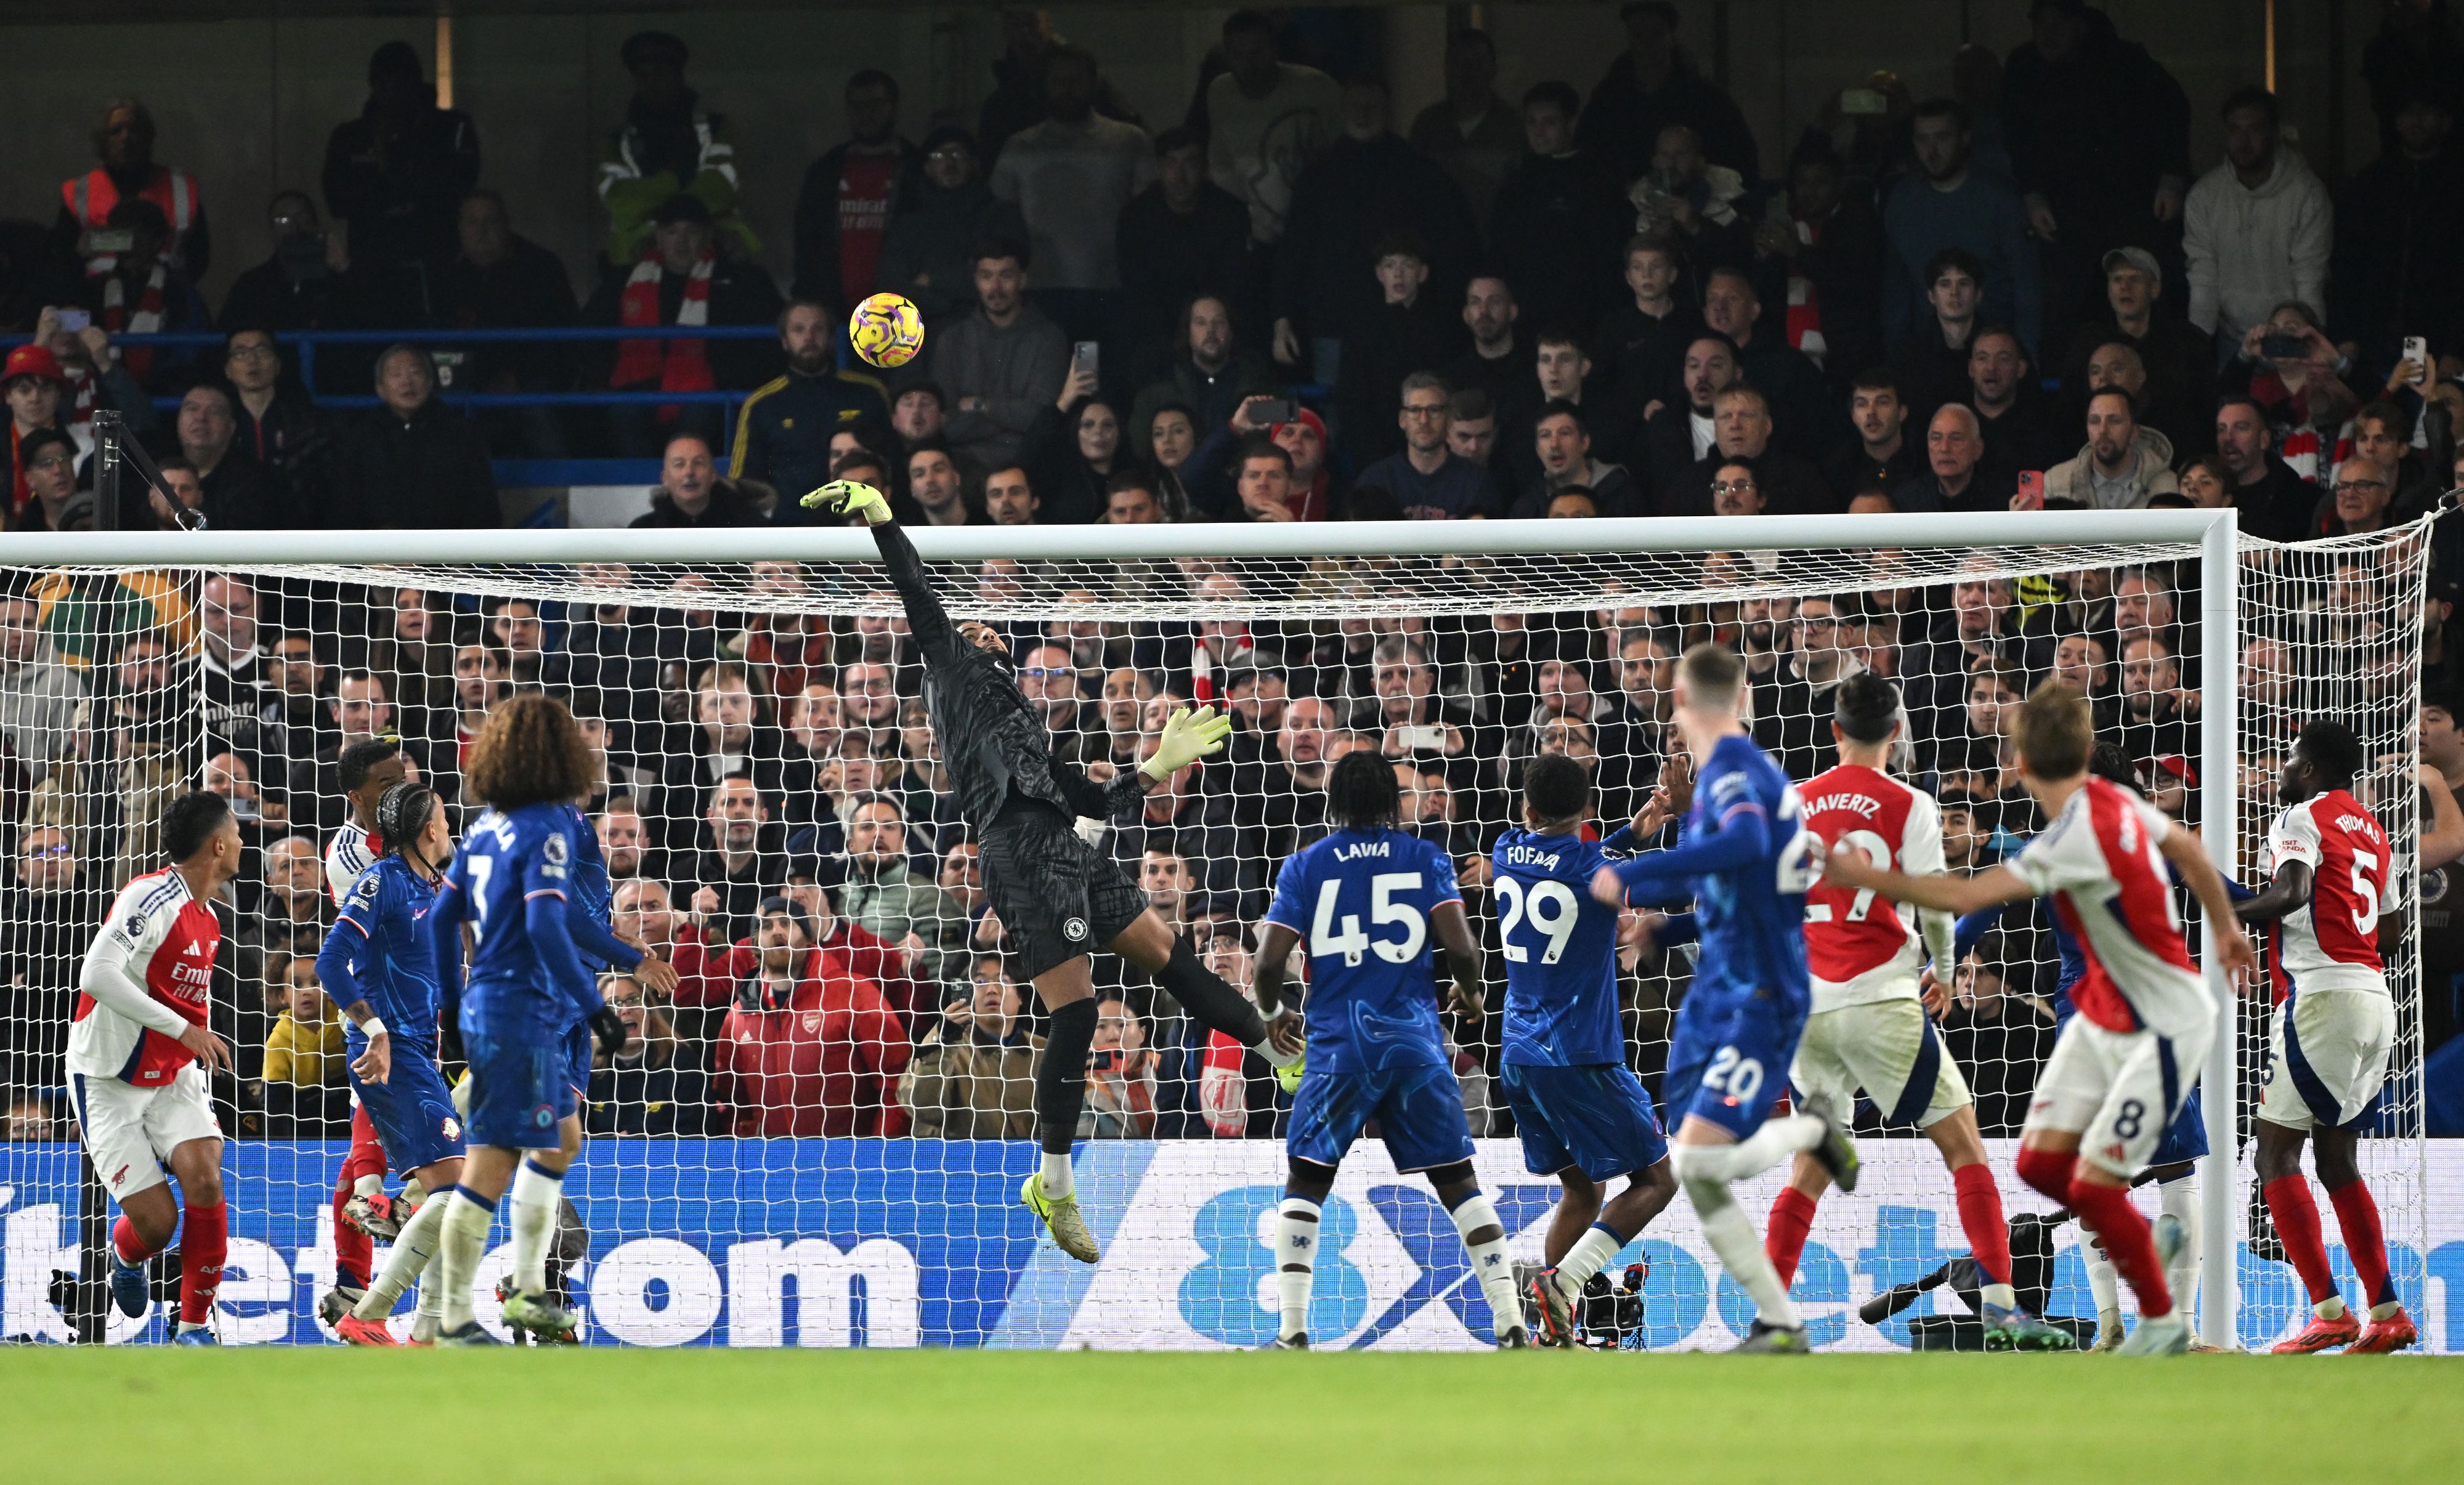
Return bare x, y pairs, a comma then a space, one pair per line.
1452, 926
2189, 860
926, 619
1275, 947
1741, 834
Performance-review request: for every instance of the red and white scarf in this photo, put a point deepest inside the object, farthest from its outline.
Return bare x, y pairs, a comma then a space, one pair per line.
672, 365
146, 320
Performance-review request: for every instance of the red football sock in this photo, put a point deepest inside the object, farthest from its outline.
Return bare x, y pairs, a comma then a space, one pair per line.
2359, 1217
2047, 1171
1791, 1217
354, 1250
125, 1242
205, 1237
1980, 1217
2128, 1241
2297, 1227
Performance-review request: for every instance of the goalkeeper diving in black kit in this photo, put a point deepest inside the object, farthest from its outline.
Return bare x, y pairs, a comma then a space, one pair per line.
1058, 898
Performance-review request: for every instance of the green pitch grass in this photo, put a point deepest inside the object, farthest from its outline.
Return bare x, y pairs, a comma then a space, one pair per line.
661, 1417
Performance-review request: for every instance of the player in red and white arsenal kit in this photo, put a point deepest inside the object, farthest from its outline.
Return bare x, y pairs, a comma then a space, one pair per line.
2123, 1065
2334, 1025
361, 1210
1867, 1030
139, 1056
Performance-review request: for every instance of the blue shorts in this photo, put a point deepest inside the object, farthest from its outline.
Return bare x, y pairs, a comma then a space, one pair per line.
519, 1093
1729, 1059
578, 1044
1419, 1115
2186, 1138
1596, 1119
412, 1110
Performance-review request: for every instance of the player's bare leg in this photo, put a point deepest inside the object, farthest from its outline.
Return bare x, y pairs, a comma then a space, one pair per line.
148, 1220
1708, 1159
1584, 1233
414, 1247
2049, 1160
2305, 1247
537, 1187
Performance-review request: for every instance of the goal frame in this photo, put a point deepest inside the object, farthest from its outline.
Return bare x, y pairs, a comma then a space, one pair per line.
2214, 533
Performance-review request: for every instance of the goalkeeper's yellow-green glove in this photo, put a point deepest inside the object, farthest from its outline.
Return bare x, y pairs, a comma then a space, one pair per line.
1187, 737
849, 497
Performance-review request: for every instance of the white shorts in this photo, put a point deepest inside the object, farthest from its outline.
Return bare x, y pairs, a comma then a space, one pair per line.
2117, 1090
1890, 1049
130, 1131
2326, 1057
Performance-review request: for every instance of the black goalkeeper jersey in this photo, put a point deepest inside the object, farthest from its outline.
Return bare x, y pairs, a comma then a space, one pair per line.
993, 742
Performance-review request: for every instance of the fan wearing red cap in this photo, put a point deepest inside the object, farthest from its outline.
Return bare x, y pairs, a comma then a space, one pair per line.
1304, 438
34, 381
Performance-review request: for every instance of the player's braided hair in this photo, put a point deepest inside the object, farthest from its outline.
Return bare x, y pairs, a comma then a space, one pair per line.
529, 752
1361, 792
403, 816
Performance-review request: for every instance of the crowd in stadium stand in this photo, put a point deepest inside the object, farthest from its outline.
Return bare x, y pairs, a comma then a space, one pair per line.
1578, 303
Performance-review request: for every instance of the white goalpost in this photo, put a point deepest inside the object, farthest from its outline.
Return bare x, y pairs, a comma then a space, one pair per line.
813, 1147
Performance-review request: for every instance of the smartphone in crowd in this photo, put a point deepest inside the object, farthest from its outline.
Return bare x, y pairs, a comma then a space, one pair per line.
1864, 100
1081, 359
2416, 350
74, 321
1422, 739
1272, 409
2284, 347
2032, 491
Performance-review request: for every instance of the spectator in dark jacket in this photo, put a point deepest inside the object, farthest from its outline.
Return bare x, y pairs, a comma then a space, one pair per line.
303, 284
2100, 137
2180, 357
1210, 375
276, 426
1955, 204
1560, 217
1474, 135
1366, 184
2399, 262
785, 430
1833, 242
682, 280
499, 280
2415, 52
1653, 85
930, 254
413, 462
1413, 330
396, 175
1801, 403
852, 194
1641, 342
691, 495
237, 494
1182, 236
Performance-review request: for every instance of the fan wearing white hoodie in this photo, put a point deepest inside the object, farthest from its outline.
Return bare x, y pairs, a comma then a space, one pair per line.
2258, 228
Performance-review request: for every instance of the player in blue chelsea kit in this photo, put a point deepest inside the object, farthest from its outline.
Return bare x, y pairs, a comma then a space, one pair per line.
512, 882
1745, 860
1583, 1114
1366, 901
379, 965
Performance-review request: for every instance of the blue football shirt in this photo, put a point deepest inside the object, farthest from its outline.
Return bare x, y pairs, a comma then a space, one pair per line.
1750, 913
594, 893
518, 988
381, 937
1560, 950
1361, 902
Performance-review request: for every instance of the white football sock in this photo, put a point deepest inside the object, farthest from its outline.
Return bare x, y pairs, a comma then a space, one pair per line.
1767, 1147
1591, 1253
368, 1185
402, 1266
1296, 1233
458, 1251
1058, 1182
1725, 1225
535, 1189
1999, 1295
2180, 1199
1489, 1262
2102, 1281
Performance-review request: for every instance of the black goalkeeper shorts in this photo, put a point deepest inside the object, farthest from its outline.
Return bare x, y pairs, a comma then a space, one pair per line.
1056, 896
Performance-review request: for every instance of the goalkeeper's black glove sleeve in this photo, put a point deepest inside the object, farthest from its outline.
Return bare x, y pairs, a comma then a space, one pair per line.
608, 1030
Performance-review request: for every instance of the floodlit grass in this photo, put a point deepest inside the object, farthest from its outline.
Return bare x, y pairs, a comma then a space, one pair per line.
665, 1416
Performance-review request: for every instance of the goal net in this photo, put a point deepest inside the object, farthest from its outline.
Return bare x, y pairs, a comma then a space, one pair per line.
818, 1138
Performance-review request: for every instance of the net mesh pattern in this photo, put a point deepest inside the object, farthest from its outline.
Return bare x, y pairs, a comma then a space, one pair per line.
829, 1085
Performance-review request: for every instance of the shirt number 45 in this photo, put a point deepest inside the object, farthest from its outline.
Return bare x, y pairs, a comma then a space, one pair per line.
1348, 941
